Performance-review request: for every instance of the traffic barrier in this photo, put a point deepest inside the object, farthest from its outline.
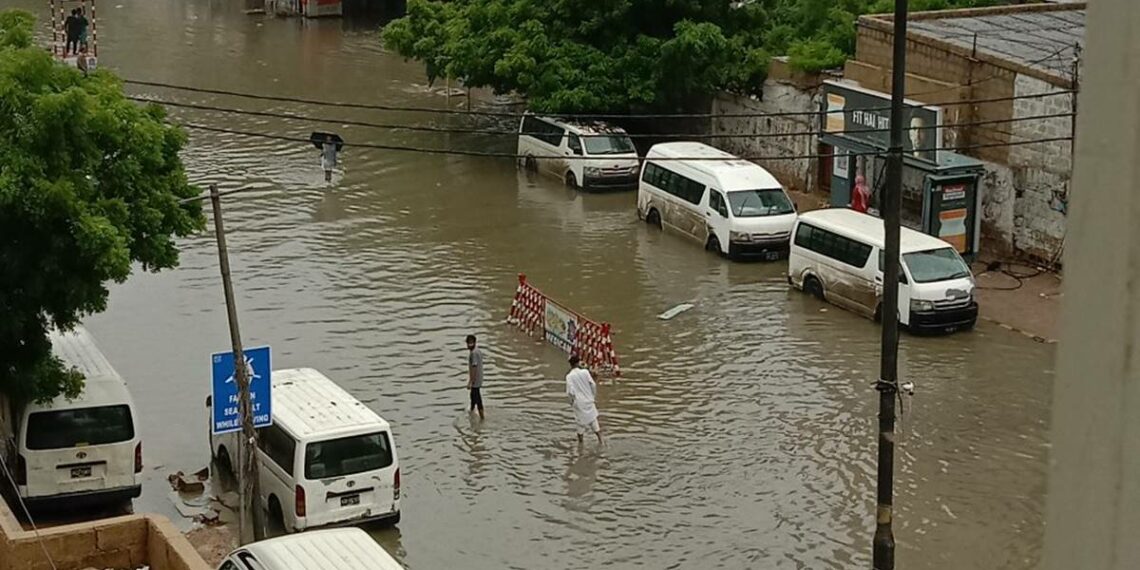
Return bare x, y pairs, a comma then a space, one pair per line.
535, 313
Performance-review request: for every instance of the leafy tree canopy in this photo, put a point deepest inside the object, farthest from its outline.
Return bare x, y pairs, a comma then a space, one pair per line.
622, 55
90, 183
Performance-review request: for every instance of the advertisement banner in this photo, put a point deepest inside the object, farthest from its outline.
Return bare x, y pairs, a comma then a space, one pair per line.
561, 326
863, 115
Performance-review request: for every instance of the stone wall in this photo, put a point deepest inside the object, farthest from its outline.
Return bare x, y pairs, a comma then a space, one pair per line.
118, 543
792, 135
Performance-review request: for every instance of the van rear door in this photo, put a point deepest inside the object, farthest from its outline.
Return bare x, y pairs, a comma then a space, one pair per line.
79, 450
356, 475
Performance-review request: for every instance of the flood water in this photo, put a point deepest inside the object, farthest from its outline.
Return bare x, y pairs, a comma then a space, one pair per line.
741, 432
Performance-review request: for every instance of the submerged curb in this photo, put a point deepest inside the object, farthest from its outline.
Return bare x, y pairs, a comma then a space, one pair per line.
1034, 337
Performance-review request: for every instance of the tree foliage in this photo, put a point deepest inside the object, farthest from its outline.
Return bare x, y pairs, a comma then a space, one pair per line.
621, 55
90, 183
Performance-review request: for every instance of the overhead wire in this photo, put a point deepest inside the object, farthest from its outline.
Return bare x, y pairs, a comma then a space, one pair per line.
517, 115
27, 513
481, 131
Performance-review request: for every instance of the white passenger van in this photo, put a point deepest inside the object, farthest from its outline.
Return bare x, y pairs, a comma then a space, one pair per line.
837, 255
80, 452
609, 159
731, 206
332, 549
327, 459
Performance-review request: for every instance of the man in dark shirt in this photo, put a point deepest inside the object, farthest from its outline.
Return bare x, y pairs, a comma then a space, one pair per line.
475, 375
71, 32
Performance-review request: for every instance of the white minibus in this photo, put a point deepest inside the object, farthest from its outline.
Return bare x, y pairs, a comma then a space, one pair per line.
731, 206
327, 459
584, 155
331, 549
80, 452
837, 255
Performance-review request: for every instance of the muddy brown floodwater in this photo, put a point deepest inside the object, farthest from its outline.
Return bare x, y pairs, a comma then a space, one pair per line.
741, 433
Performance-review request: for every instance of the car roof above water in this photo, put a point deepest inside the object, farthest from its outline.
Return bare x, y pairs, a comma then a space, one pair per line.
334, 549
870, 229
102, 385
309, 404
732, 172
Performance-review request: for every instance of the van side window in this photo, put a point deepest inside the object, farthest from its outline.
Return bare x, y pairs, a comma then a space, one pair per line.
539, 129
673, 183
883, 267
833, 245
278, 445
575, 144
716, 202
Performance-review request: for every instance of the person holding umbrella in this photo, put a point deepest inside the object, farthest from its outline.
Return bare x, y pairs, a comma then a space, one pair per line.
329, 144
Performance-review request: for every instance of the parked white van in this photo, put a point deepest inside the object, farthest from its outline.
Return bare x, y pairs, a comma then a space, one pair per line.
837, 255
327, 459
729, 205
332, 549
80, 452
609, 159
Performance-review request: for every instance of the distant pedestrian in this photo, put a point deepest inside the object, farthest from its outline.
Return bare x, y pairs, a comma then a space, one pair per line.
860, 195
583, 391
328, 158
71, 32
475, 374
81, 29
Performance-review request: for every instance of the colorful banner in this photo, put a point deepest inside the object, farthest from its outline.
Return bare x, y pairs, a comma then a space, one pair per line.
561, 326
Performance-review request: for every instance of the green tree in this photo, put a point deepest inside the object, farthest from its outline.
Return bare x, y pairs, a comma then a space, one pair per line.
90, 183
628, 55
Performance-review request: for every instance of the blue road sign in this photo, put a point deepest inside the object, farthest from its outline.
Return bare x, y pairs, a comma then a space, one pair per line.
226, 403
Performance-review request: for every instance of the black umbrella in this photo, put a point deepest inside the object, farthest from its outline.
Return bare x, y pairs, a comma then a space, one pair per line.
319, 139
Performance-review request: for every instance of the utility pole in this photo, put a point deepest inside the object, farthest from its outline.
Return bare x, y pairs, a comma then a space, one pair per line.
249, 529
883, 545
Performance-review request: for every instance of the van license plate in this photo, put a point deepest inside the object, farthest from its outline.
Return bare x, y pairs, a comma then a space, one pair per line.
80, 472
350, 500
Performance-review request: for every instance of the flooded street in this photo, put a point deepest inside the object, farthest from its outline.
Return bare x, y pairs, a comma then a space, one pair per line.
741, 432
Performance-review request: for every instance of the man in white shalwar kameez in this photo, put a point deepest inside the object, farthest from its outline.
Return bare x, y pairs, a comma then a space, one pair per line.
582, 391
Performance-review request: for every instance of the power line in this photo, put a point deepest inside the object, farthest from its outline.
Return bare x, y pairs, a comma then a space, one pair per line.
24, 506
479, 131
513, 115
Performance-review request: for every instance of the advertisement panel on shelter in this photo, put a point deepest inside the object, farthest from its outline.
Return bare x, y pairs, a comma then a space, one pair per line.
952, 216
561, 326
864, 116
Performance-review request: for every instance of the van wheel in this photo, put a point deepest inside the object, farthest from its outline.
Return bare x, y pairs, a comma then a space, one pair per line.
276, 517
530, 165
571, 180
223, 462
653, 218
713, 245
813, 287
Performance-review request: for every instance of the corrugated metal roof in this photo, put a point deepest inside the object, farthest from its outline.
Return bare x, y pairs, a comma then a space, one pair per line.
1042, 40
308, 403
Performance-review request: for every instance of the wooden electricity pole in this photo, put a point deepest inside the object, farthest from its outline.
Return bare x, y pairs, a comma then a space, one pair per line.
248, 513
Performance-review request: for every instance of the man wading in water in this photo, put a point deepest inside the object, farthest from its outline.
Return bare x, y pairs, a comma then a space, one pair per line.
582, 391
475, 374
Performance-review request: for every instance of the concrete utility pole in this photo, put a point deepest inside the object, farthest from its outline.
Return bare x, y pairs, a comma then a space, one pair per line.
249, 528
1093, 508
883, 545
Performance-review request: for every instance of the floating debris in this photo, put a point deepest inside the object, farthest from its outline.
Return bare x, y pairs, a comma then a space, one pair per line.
675, 311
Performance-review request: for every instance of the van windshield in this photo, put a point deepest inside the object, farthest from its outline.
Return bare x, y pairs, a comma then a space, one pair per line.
934, 265
61, 429
347, 456
755, 203
613, 144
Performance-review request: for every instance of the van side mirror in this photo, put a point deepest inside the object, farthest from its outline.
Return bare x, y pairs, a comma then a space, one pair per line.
902, 278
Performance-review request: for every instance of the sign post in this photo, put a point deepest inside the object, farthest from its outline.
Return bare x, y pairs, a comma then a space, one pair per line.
227, 397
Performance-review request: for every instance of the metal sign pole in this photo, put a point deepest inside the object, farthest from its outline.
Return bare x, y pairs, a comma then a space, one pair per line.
249, 529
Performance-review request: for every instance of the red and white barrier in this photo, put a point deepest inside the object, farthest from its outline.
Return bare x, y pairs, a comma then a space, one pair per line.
534, 312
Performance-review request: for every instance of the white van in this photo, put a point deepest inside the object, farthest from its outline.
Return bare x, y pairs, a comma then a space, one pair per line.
731, 206
327, 458
609, 157
81, 452
837, 255
333, 549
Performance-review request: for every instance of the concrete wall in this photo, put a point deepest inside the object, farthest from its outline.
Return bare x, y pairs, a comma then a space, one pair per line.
120, 543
